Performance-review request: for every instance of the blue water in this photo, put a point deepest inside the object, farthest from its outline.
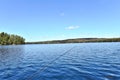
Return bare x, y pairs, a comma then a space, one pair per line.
83, 61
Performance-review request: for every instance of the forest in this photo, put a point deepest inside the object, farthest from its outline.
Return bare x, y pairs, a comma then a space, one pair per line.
10, 39
77, 40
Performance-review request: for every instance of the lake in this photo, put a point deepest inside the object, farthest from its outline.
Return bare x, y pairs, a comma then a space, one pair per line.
82, 61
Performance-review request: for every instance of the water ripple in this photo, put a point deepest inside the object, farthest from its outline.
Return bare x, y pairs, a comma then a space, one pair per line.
87, 61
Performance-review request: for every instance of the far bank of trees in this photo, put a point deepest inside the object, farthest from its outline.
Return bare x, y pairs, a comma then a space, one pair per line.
79, 40
10, 39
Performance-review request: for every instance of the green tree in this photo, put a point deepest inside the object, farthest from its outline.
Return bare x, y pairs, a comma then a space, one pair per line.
7, 39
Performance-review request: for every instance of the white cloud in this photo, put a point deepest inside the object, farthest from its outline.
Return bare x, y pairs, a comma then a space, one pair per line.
72, 27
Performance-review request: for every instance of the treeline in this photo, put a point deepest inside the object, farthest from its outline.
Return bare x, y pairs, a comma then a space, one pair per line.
10, 39
78, 40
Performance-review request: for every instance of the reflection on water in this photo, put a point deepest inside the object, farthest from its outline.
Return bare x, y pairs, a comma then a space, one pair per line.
86, 61
10, 55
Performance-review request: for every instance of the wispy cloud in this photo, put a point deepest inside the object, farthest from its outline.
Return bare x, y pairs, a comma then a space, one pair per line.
62, 14
72, 27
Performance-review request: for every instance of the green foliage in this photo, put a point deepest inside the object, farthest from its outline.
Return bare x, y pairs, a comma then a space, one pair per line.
79, 40
7, 39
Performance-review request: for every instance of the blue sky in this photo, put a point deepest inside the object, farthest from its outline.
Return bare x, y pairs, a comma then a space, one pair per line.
39, 20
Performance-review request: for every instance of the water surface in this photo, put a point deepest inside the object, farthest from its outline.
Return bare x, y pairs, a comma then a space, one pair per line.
83, 61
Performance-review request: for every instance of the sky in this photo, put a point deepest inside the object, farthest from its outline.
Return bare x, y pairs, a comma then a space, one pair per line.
41, 20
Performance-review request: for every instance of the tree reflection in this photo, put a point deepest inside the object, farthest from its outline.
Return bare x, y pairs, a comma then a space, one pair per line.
11, 55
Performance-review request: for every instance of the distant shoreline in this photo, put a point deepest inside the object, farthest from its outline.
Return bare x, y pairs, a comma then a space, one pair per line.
77, 40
